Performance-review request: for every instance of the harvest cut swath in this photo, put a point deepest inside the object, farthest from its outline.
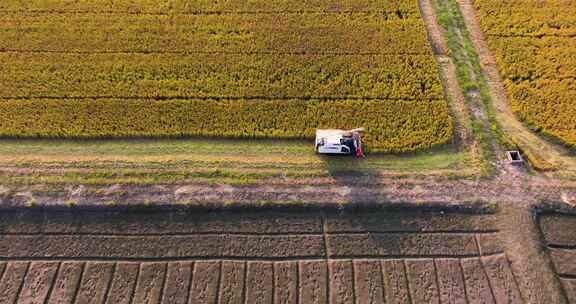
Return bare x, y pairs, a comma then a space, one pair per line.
264, 69
534, 44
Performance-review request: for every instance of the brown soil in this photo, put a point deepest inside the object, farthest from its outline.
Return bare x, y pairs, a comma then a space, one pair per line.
259, 282
150, 283
204, 286
450, 281
477, 285
395, 281
94, 284
38, 281
558, 232
368, 282
124, 282
313, 282
232, 286
64, 286
422, 281
12, 278
341, 275
418, 257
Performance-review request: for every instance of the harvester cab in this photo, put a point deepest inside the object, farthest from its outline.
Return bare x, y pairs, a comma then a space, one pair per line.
343, 142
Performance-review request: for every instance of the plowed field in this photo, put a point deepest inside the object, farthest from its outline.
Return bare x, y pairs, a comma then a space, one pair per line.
262, 258
558, 231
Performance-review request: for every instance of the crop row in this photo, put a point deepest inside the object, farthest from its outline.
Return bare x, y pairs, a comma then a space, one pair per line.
216, 75
547, 106
318, 32
393, 125
407, 7
528, 18
534, 46
549, 57
232, 68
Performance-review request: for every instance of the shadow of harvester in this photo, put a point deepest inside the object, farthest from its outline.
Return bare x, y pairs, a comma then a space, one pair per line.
359, 183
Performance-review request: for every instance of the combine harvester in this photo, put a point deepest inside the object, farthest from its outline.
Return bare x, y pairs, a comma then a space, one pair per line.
339, 142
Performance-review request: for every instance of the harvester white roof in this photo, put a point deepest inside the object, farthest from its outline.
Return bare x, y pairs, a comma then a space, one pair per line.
336, 132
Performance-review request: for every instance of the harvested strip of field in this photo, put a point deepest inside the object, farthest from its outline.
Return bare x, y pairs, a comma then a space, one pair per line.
395, 281
260, 282
488, 244
422, 280
38, 280
205, 280
243, 70
477, 284
341, 283
558, 232
233, 246
533, 44
232, 282
60, 223
205, 283
12, 278
395, 244
450, 281
368, 284
417, 222
313, 282
96, 277
150, 284
154, 275
66, 283
141, 246
200, 163
557, 229
124, 283
501, 279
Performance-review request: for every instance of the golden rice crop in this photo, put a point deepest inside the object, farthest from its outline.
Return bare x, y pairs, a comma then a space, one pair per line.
219, 75
535, 49
292, 33
235, 68
395, 7
393, 125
